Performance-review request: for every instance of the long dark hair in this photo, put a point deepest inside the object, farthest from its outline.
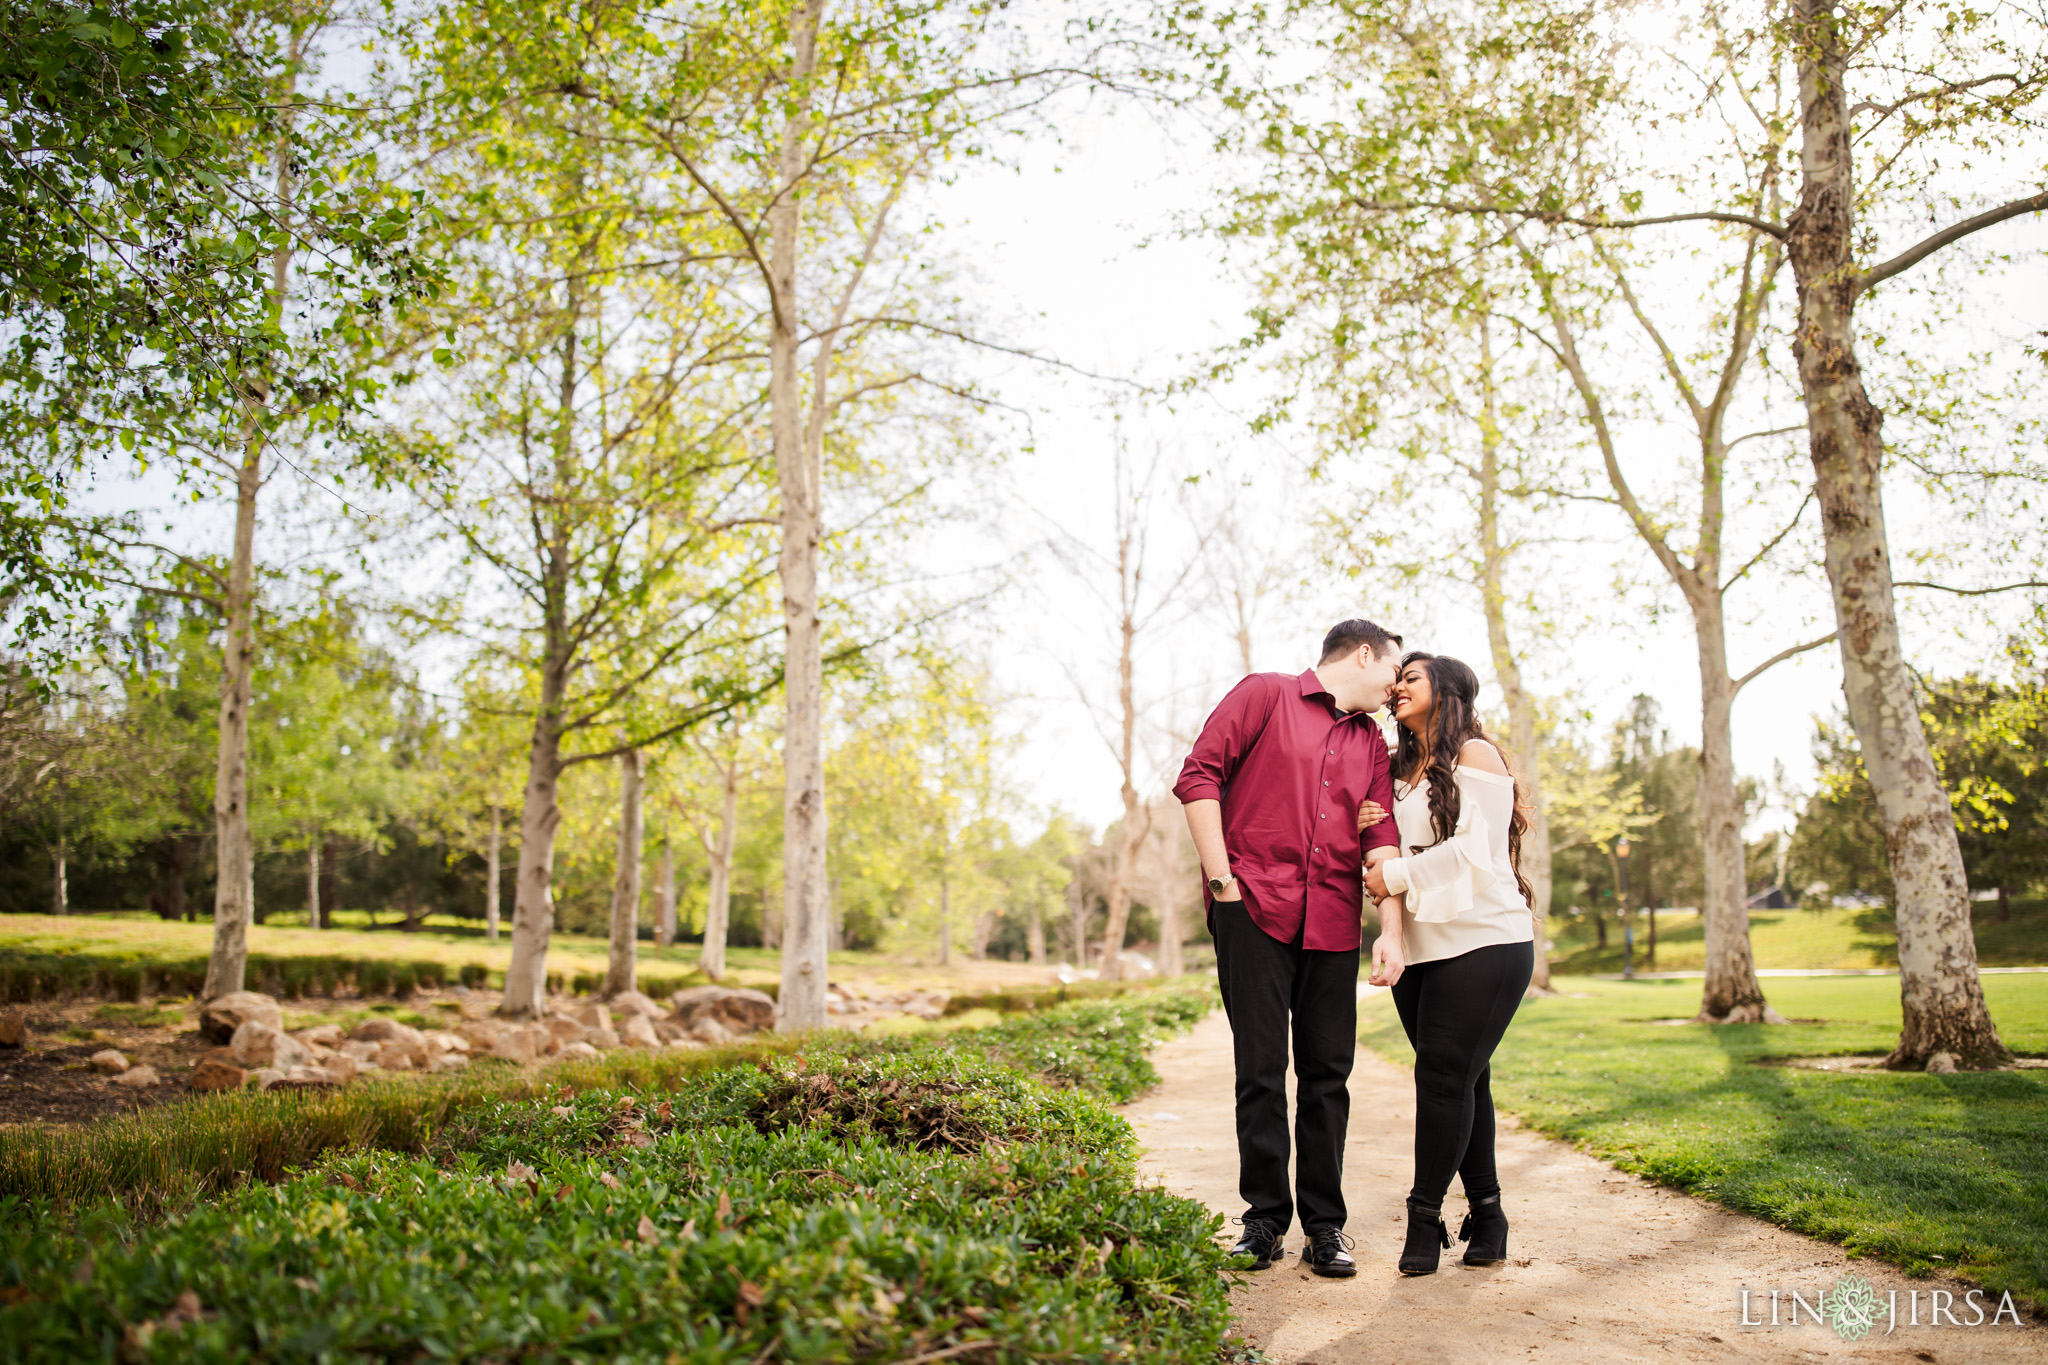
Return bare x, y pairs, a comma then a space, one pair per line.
1454, 720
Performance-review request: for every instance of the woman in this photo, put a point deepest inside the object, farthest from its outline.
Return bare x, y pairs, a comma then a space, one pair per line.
1462, 947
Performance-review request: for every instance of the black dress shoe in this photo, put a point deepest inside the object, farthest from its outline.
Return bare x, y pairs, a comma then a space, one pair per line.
1262, 1241
1485, 1231
1325, 1253
1428, 1238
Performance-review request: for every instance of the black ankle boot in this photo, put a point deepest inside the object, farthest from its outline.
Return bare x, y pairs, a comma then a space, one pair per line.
1427, 1239
1485, 1229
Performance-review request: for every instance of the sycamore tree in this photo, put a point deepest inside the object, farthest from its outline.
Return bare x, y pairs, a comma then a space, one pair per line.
807, 129
585, 445
192, 237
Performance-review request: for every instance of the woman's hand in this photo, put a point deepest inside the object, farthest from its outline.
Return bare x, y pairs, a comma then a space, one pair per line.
1376, 881
1370, 813
1387, 958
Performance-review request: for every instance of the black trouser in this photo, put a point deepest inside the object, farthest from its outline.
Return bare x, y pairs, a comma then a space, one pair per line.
1455, 1010
1264, 981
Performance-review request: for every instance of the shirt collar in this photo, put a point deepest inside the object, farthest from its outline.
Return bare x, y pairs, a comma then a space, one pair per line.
1312, 686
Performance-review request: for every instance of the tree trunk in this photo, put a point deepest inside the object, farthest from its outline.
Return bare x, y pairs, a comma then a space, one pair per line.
60, 884
313, 884
174, 864
1034, 936
533, 907
665, 897
984, 930
1077, 924
1507, 667
619, 972
493, 873
718, 909
1731, 994
330, 872
805, 914
945, 921
1136, 817
234, 891
1600, 926
1169, 932
1940, 993
2004, 906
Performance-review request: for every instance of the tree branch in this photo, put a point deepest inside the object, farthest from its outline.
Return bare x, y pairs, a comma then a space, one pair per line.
1927, 246
1779, 658
1971, 592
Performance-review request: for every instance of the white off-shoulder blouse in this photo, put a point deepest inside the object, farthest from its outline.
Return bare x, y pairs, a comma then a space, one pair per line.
1461, 893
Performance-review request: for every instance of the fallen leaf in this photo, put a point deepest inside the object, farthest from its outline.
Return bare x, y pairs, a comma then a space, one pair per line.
661, 1114
608, 1180
518, 1171
689, 1229
977, 1316
561, 1194
561, 1111
724, 1210
647, 1231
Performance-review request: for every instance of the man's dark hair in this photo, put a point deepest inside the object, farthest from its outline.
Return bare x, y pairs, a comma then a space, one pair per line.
1346, 636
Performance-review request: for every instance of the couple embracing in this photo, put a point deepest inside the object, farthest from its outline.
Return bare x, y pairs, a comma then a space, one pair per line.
1299, 812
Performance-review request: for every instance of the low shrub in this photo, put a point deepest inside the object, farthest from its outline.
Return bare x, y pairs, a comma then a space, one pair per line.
852, 1201
1023, 999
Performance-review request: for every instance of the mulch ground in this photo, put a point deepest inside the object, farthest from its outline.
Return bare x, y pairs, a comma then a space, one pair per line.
48, 1081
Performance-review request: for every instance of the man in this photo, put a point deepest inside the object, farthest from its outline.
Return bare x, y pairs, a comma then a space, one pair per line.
1272, 792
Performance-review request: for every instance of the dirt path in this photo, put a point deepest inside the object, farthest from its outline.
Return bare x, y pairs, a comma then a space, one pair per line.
1602, 1267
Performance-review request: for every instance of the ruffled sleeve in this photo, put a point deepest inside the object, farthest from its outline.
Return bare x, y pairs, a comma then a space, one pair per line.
1440, 881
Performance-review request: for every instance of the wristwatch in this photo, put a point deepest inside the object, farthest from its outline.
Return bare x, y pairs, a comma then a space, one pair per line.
1216, 884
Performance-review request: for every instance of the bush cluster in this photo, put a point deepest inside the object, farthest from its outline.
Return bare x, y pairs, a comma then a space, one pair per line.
827, 1199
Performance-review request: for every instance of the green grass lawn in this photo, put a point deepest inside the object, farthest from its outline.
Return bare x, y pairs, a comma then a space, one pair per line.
1925, 1171
1846, 937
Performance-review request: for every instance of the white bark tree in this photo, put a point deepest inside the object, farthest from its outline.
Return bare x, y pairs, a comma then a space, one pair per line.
621, 968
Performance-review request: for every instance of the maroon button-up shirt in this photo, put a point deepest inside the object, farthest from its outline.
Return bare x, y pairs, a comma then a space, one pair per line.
1291, 770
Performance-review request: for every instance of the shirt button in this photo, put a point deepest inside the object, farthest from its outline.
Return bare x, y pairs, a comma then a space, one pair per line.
1322, 817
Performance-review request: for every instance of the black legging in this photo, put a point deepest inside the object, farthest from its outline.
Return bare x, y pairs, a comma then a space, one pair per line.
1455, 1010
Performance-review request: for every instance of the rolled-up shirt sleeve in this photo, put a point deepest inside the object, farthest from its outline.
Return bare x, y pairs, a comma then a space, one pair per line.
1226, 736
1381, 790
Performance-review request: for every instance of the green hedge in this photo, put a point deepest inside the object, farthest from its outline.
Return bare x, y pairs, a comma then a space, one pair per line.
1024, 999
27, 976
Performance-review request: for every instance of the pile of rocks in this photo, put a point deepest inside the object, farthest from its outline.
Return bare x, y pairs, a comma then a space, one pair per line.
254, 1048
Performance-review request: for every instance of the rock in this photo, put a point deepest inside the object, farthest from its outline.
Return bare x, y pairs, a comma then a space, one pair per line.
362, 1054
213, 1073
736, 1010
448, 1061
222, 1015
602, 1038
137, 1077
259, 1045
306, 1077
668, 1030
594, 1015
632, 1002
576, 1052
638, 1031
683, 1045
705, 1028
1942, 1064
441, 1040
340, 1069
389, 1032
517, 1045
394, 1056
565, 1030
326, 1035
264, 1077
13, 1028
107, 1062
